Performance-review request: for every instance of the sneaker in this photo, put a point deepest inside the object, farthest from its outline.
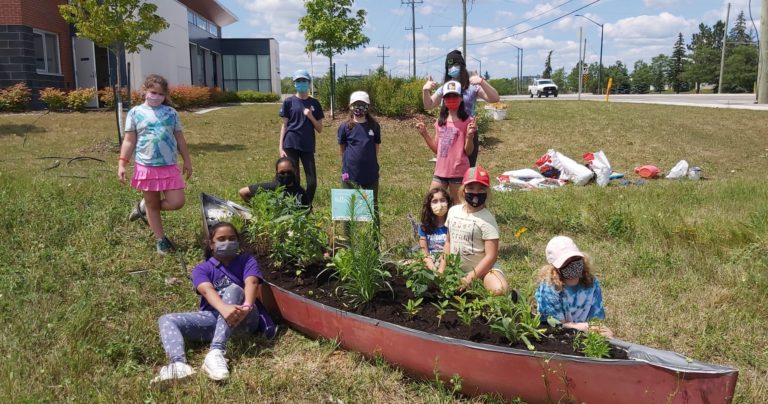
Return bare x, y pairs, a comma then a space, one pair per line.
139, 212
215, 365
164, 246
174, 371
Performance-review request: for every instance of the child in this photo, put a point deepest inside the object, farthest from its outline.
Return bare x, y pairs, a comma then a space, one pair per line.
285, 176
154, 131
227, 283
474, 234
432, 231
567, 289
359, 140
454, 131
302, 116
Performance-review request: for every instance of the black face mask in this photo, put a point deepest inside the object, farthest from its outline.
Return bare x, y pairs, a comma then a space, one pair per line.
286, 178
475, 199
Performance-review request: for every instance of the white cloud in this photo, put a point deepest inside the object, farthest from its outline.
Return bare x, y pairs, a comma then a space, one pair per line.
659, 3
649, 27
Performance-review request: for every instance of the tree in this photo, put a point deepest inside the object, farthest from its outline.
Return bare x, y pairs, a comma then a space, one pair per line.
642, 77
547, 73
660, 71
486, 76
558, 76
329, 29
739, 34
705, 56
741, 69
618, 72
118, 25
676, 70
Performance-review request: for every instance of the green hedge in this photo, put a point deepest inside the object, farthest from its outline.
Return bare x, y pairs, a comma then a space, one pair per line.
393, 97
255, 96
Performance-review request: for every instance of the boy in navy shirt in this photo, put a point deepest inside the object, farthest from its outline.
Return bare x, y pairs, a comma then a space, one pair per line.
302, 116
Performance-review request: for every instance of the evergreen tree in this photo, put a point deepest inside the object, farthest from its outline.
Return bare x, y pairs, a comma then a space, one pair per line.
676, 70
739, 34
486, 76
618, 72
704, 56
642, 77
547, 73
660, 72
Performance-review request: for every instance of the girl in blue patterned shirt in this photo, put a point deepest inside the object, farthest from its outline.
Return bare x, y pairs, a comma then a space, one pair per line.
567, 289
153, 136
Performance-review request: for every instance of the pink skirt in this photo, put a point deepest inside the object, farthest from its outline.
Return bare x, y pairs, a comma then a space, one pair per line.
157, 178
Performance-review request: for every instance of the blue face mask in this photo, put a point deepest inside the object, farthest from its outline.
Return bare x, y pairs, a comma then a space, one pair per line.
301, 86
454, 71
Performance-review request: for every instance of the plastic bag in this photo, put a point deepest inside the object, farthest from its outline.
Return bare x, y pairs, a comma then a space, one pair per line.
523, 174
569, 169
602, 168
680, 170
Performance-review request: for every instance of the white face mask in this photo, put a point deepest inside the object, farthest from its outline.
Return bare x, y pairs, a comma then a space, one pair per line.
440, 208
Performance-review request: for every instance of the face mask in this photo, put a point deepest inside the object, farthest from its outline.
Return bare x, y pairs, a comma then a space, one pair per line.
573, 270
440, 208
454, 71
226, 249
286, 178
475, 199
452, 103
154, 100
359, 110
301, 86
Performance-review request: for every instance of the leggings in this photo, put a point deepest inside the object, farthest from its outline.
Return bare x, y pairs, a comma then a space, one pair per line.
307, 160
203, 326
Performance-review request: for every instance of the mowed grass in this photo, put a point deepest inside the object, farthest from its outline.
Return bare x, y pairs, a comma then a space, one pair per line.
684, 265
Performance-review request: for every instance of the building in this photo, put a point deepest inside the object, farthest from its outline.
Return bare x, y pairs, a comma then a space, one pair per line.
38, 47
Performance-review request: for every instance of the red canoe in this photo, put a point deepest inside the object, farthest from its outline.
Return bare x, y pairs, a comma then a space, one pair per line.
652, 376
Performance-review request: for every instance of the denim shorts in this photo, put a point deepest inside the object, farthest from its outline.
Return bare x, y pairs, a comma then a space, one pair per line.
447, 181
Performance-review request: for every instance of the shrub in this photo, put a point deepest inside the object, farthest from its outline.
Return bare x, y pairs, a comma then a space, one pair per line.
190, 96
78, 99
393, 97
106, 95
15, 98
255, 96
54, 98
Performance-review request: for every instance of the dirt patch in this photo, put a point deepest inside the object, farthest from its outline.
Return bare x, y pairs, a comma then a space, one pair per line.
388, 306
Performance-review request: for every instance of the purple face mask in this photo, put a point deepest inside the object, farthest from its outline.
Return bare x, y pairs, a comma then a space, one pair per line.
154, 99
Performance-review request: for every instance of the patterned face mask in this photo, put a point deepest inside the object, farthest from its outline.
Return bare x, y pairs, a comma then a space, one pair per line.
573, 270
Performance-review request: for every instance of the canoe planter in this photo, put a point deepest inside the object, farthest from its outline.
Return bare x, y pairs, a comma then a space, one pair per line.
650, 376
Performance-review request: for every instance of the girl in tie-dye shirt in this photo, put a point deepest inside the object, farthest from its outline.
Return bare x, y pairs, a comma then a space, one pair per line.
567, 289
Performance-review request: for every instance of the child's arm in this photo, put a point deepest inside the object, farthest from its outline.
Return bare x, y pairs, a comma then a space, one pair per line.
430, 100
446, 251
315, 123
232, 313
126, 151
431, 142
282, 136
428, 260
181, 143
251, 285
486, 264
486, 91
469, 144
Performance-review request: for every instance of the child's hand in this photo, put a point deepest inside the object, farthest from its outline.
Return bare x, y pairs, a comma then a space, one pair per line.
187, 170
430, 84
421, 128
233, 314
307, 112
121, 173
283, 153
475, 79
472, 129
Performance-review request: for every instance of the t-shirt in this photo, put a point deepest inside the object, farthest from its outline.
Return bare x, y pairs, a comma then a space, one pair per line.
359, 159
576, 304
155, 139
299, 132
452, 160
469, 95
293, 190
435, 240
213, 271
468, 232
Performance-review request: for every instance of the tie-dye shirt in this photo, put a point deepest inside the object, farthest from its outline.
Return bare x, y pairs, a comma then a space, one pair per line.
155, 139
576, 304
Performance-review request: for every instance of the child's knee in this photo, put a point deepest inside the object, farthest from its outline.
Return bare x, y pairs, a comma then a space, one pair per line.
164, 321
233, 294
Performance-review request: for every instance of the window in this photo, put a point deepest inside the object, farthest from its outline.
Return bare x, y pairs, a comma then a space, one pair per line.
46, 52
247, 72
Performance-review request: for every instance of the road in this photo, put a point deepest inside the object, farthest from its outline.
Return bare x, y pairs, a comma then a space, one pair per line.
734, 101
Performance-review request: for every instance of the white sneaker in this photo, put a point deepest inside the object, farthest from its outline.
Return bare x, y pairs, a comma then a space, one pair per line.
215, 365
174, 371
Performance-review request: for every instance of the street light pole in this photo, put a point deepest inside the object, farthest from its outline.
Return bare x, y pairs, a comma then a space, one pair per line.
600, 70
480, 73
519, 66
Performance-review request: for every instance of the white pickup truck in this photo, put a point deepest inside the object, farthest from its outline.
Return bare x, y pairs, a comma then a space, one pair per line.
543, 87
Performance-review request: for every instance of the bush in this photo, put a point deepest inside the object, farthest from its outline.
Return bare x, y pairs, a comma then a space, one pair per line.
78, 99
106, 95
190, 96
393, 97
54, 98
15, 98
255, 96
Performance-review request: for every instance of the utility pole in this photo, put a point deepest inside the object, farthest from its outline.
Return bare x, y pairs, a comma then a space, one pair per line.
581, 64
762, 80
722, 54
413, 27
383, 49
464, 31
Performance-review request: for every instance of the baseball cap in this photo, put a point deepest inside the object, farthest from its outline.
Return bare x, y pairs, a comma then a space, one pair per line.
301, 74
359, 96
454, 57
477, 174
451, 87
560, 249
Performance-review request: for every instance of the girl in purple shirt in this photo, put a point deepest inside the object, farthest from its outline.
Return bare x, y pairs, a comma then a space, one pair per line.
227, 282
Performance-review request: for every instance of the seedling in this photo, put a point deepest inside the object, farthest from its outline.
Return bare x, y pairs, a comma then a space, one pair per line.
592, 344
450, 280
412, 306
418, 276
442, 308
463, 309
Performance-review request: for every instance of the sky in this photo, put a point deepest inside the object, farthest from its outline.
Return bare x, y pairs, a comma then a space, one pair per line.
633, 30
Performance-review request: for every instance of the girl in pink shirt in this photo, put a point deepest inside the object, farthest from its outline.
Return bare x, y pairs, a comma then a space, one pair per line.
453, 140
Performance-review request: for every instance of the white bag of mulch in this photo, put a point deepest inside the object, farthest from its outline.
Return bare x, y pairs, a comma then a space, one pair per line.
569, 169
524, 174
680, 170
602, 168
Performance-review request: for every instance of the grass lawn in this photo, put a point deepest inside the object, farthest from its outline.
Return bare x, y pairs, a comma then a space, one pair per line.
684, 265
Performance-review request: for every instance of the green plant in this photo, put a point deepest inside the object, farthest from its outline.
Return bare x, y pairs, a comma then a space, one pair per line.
78, 99
255, 96
449, 281
463, 309
189, 96
412, 306
15, 98
54, 98
442, 309
592, 344
418, 276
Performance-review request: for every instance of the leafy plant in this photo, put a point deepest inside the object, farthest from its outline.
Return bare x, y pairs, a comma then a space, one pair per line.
78, 99
412, 306
418, 276
54, 98
463, 309
15, 98
592, 344
450, 280
515, 321
442, 309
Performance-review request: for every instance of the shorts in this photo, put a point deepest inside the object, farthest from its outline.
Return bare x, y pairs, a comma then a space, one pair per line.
157, 178
447, 181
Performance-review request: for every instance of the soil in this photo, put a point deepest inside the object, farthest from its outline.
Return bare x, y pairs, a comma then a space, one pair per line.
388, 306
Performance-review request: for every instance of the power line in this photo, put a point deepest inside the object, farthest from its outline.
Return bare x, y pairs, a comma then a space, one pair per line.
524, 21
383, 49
413, 28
